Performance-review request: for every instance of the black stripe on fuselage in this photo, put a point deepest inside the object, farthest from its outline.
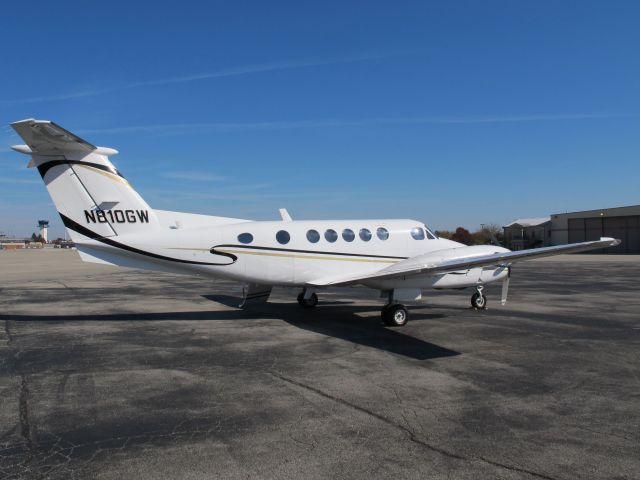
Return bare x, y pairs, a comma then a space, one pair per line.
43, 168
76, 227
317, 252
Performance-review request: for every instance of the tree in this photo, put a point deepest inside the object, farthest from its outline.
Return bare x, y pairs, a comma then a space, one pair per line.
444, 234
481, 237
462, 235
497, 232
37, 238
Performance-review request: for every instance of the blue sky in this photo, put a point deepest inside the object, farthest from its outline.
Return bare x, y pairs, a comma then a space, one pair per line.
455, 113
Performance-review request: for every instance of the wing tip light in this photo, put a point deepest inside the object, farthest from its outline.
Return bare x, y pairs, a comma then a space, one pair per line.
612, 241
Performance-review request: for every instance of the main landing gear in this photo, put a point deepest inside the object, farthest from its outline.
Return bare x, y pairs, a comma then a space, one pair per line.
307, 298
395, 315
478, 299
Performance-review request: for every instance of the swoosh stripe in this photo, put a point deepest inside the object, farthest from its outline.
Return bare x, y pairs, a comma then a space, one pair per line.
76, 227
43, 168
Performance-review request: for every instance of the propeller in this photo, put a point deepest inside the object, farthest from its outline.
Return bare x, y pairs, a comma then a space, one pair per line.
494, 240
505, 287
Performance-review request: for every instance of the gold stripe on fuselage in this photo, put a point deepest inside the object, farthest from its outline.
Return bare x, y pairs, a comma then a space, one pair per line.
310, 256
314, 257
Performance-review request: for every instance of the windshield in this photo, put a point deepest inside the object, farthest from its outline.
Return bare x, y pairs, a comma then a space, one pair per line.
430, 234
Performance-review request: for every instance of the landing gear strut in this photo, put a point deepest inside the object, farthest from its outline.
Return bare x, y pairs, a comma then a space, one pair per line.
307, 299
478, 300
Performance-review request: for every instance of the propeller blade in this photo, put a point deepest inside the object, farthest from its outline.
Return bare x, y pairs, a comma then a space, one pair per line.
505, 287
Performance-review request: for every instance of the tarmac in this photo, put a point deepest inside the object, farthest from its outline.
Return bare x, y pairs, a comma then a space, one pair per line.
111, 373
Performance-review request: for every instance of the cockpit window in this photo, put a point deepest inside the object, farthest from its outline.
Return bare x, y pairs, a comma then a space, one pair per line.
430, 234
417, 233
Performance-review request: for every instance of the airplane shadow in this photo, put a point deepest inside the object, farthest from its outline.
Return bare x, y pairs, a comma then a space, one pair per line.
333, 319
340, 319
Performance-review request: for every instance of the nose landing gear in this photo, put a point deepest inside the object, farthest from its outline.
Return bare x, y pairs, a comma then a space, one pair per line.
478, 300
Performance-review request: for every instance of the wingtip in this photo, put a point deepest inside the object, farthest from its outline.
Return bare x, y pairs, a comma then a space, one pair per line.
29, 120
612, 241
22, 149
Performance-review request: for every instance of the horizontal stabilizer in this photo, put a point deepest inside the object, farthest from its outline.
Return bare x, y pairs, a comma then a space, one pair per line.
44, 137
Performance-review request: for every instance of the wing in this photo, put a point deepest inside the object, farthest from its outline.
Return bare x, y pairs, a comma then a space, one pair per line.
427, 265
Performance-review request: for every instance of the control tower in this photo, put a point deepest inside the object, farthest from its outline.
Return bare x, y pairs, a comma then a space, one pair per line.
44, 226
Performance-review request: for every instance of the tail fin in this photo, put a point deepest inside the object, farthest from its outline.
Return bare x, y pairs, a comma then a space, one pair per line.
92, 197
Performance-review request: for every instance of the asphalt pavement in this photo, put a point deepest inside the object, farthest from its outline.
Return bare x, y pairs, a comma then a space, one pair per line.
111, 373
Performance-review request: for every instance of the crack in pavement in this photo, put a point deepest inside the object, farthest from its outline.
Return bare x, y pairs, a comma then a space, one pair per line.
412, 436
23, 407
7, 330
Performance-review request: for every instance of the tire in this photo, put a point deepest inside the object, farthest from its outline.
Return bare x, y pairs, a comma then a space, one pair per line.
310, 302
396, 315
478, 301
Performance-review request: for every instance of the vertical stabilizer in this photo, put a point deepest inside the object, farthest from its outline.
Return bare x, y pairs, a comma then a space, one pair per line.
87, 190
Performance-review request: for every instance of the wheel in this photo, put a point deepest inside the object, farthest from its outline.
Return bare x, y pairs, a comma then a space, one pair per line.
395, 315
310, 302
478, 301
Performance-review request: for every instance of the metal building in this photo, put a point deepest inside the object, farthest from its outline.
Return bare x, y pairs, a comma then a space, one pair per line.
619, 222
527, 233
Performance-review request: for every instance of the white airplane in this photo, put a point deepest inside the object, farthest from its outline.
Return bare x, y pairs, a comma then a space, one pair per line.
111, 224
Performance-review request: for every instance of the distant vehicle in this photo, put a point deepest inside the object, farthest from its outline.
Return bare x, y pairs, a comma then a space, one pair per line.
110, 223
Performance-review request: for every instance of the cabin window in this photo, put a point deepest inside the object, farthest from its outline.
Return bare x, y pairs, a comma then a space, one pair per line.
365, 234
417, 233
330, 236
382, 233
283, 237
245, 238
313, 236
348, 235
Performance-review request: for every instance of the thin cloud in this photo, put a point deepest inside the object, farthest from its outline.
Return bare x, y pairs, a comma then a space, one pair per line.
193, 176
243, 197
181, 128
20, 181
221, 73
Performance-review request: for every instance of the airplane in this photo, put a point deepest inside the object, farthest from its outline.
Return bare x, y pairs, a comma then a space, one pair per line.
111, 224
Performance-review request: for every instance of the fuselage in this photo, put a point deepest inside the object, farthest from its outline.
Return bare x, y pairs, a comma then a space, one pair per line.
294, 253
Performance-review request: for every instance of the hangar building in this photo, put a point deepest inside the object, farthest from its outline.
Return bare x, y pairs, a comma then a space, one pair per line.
619, 222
